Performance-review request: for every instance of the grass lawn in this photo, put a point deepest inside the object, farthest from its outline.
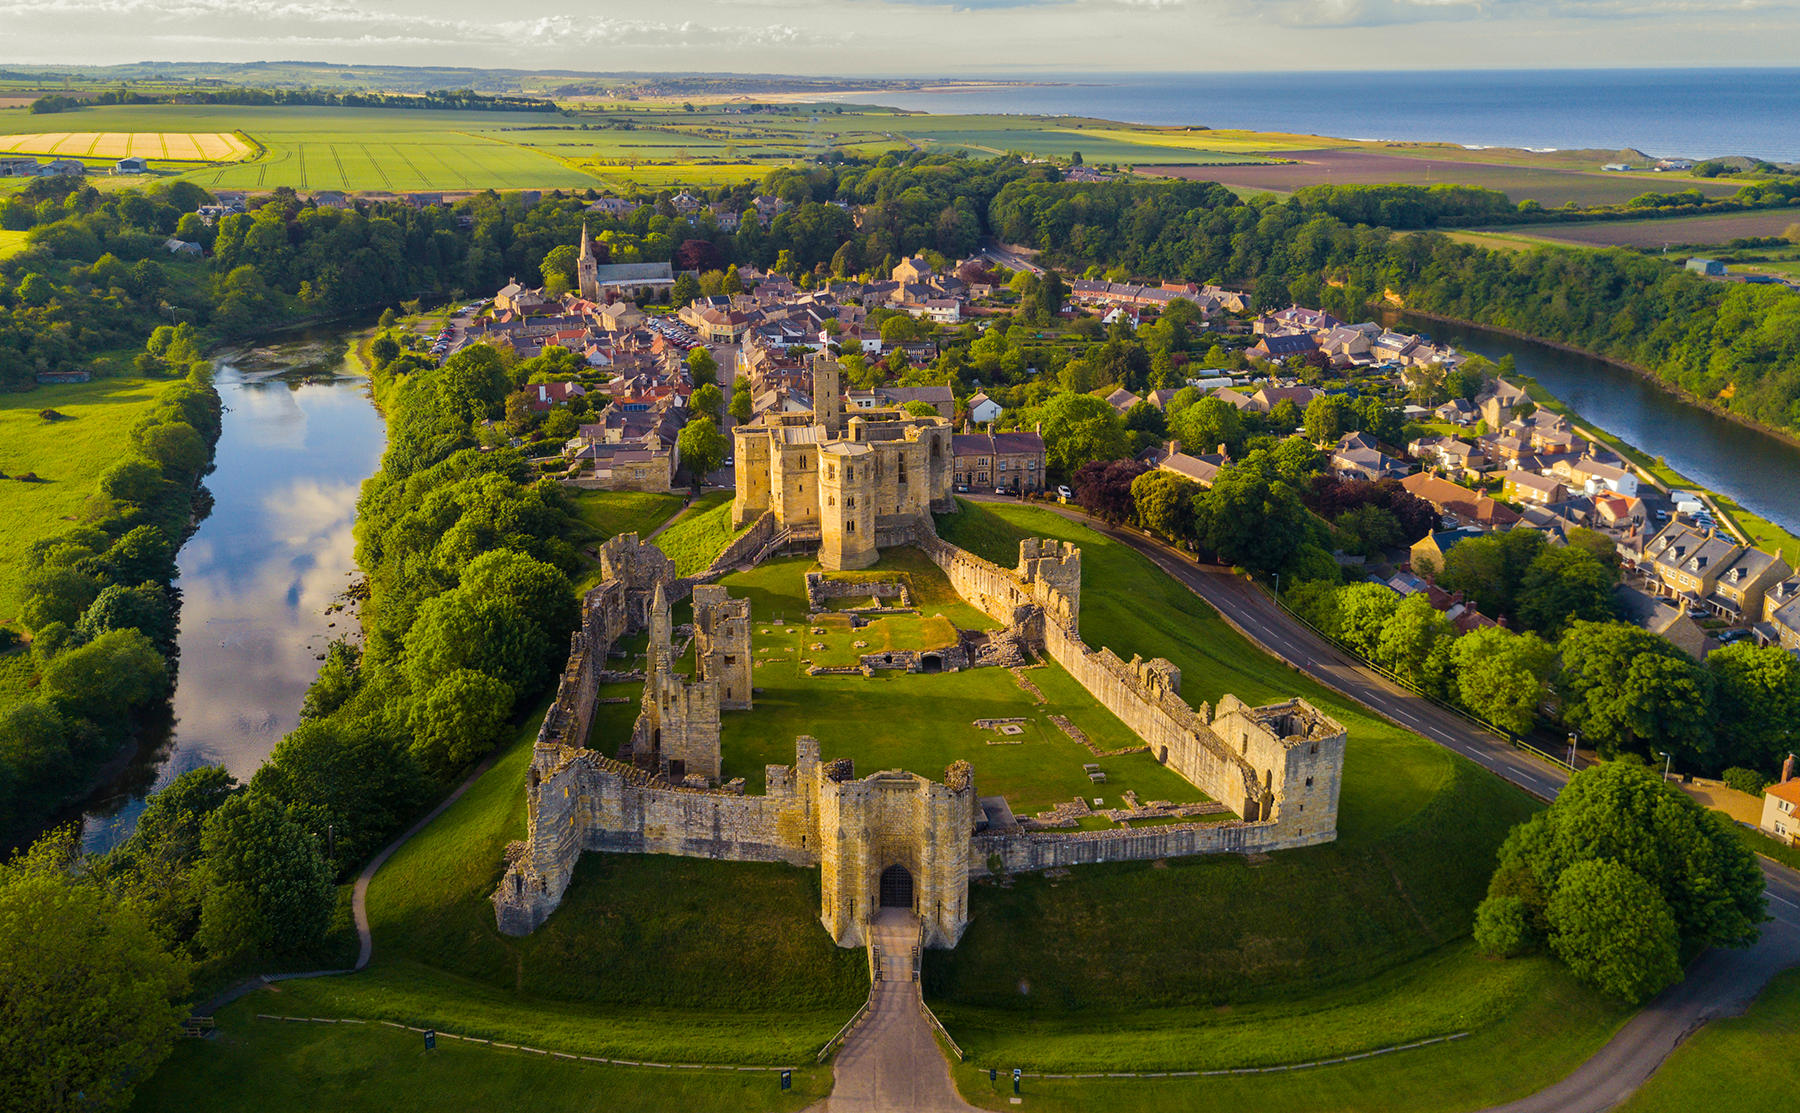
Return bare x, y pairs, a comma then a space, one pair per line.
1741, 1065
877, 720
1551, 1025
11, 242
274, 1066
702, 534
605, 514
68, 456
609, 513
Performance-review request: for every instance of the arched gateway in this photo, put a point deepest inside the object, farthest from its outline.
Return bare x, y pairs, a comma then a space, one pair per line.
896, 888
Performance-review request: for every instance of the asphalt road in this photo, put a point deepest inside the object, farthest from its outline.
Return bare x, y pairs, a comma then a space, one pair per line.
1719, 983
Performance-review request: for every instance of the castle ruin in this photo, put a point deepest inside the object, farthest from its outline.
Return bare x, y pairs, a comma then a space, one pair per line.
893, 837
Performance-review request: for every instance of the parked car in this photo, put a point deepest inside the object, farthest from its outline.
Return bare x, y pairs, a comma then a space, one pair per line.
962, 488
1064, 494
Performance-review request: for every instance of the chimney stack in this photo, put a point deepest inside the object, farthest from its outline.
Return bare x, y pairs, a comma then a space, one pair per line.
1787, 769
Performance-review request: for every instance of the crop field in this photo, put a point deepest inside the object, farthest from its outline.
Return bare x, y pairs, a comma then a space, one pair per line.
11, 243
178, 146
1360, 166
1715, 228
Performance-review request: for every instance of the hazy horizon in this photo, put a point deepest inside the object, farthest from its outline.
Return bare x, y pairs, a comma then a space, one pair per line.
894, 38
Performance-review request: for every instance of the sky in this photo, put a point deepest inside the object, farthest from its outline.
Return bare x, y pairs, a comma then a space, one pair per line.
915, 37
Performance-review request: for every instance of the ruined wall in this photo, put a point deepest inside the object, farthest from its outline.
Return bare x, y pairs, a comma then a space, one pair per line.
722, 644
1022, 851
1178, 735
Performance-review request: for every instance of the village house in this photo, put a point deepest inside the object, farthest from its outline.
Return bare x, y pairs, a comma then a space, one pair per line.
1781, 806
1357, 456
984, 410
1667, 620
1267, 398
1458, 412
1529, 487
1500, 403
1122, 400
1461, 505
1202, 469
1593, 477
1453, 455
1274, 349
1428, 552
1712, 571
1780, 623
1014, 461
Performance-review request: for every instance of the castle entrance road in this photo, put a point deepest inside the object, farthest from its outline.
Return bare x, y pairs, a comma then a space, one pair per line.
891, 1062
1720, 983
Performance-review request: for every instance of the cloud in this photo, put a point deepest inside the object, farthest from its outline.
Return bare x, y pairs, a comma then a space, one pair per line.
265, 23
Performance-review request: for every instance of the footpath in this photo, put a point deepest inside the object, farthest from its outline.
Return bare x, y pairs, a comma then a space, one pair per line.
890, 1062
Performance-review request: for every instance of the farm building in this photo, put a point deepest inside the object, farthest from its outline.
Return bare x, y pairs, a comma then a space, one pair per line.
131, 165
12, 166
1706, 266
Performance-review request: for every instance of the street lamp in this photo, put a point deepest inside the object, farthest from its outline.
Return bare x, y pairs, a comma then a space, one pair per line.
1574, 738
1669, 761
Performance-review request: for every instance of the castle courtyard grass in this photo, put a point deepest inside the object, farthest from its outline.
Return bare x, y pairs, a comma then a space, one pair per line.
922, 721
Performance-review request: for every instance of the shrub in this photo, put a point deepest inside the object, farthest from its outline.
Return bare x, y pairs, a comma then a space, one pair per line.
1503, 927
1745, 780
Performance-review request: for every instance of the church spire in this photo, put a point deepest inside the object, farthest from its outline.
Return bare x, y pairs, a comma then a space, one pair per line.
587, 242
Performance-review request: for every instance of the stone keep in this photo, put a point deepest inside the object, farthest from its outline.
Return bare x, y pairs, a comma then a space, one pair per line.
722, 644
855, 481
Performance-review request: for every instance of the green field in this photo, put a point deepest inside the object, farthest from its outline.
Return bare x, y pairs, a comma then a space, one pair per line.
1742, 1065
11, 243
68, 457
605, 514
276, 1066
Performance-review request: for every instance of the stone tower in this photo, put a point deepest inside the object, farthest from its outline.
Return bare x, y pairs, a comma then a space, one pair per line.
828, 396
1053, 569
680, 720
722, 644
846, 506
587, 267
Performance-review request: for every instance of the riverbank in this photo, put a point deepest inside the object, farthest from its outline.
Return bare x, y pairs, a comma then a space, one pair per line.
261, 577
1649, 376
1746, 477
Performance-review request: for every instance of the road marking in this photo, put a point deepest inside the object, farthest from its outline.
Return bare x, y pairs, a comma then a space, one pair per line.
1782, 900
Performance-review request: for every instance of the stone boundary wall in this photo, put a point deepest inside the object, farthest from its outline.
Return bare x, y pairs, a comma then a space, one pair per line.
1178, 735
577, 692
821, 589
1026, 851
994, 591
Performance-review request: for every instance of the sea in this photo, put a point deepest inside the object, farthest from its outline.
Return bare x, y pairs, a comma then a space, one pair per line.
1665, 113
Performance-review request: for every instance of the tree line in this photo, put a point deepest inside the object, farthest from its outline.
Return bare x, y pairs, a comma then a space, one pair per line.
457, 100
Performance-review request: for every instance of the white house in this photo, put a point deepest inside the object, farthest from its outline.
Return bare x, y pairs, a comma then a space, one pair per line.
983, 409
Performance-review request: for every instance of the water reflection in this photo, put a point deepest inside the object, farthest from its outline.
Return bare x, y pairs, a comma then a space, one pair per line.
300, 435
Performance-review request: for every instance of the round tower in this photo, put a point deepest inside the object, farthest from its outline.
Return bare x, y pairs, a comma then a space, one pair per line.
846, 506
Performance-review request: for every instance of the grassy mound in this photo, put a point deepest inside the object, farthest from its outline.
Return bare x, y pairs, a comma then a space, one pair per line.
695, 541
274, 1066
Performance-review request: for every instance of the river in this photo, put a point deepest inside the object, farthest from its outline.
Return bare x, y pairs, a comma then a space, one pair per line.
257, 578
1757, 470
